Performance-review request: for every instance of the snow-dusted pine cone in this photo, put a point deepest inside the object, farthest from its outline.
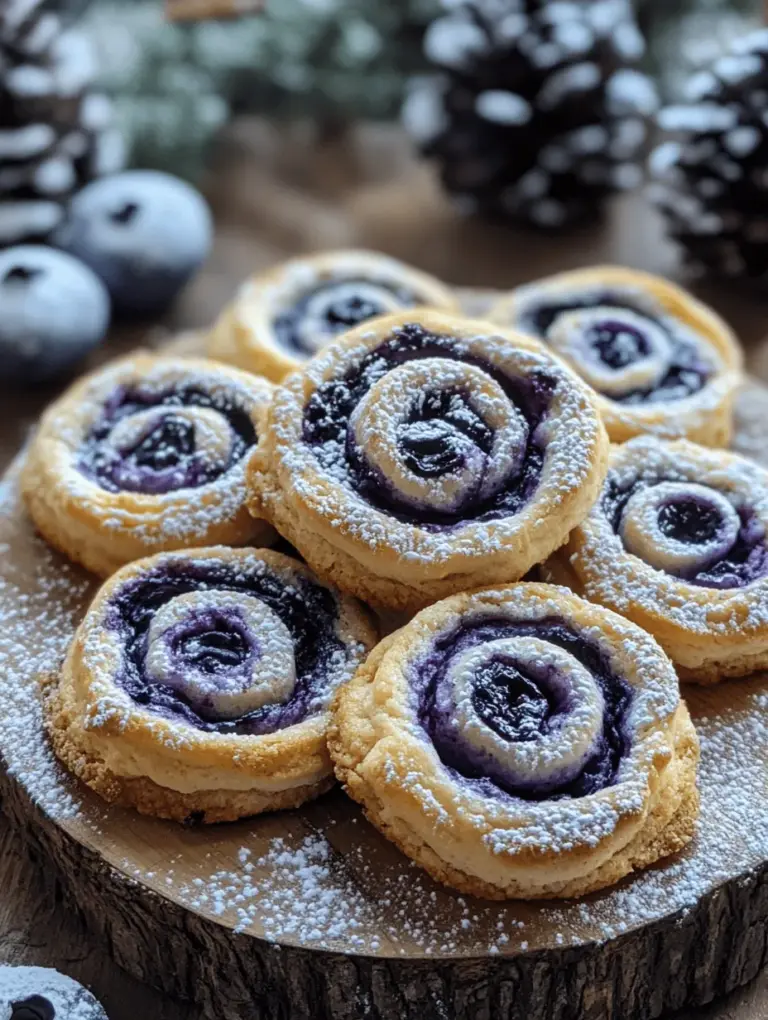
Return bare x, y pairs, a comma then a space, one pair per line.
55, 133
30, 25
711, 173
537, 112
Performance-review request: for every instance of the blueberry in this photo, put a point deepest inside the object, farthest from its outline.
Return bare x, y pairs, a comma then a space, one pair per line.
144, 232
54, 311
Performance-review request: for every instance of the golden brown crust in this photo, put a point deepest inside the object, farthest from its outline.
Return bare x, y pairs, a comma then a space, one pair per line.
550, 848
394, 564
102, 529
245, 335
705, 417
147, 797
162, 763
665, 834
709, 633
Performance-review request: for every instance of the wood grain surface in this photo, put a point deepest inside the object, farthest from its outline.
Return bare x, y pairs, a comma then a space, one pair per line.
275, 194
37, 929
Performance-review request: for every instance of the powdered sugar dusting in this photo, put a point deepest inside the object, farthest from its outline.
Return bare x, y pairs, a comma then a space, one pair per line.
200, 488
322, 877
68, 999
342, 887
40, 601
568, 433
614, 578
299, 307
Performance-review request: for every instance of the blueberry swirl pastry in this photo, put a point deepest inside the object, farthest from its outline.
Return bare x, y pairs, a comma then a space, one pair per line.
661, 361
283, 317
520, 743
425, 454
145, 455
678, 543
198, 684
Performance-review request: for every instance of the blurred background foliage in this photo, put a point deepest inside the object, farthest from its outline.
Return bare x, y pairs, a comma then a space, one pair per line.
175, 85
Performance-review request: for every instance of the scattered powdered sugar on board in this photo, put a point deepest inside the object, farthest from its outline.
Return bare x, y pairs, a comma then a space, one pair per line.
40, 601
321, 877
306, 890
342, 888
732, 836
299, 897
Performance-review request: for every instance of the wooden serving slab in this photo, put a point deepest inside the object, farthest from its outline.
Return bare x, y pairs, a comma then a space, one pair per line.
312, 915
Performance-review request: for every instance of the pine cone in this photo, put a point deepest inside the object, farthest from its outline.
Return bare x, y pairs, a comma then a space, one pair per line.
711, 175
55, 134
538, 113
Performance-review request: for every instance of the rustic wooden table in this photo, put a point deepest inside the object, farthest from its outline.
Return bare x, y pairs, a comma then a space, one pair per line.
274, 194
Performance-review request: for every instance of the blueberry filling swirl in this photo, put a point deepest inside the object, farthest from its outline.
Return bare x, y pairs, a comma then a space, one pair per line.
429, 434
622, 345
689, 530
153, 442
530, 709
227, 650
335, 306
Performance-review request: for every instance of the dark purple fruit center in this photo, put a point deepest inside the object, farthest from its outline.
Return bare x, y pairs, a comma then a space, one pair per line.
689, 520
217, 640
512, 704
695, 521
169, 442
687, 371
431, 437
214, 650
350, 311
340, 314
166, 458
519, 707
617, 343
432, 449
36, 1007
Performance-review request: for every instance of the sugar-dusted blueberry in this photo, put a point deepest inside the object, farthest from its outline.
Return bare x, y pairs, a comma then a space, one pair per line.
54, 311
38, 993
144, 232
